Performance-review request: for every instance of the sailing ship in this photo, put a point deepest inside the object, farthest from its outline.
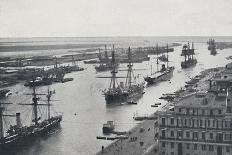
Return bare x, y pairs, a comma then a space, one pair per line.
212, 46
122, 93
188, 54
18, 135
164, 74
104, 63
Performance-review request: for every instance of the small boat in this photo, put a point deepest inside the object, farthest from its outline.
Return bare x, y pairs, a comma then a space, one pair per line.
158, 103
154, 105
4, 93
131, 102
67, 80
108, 127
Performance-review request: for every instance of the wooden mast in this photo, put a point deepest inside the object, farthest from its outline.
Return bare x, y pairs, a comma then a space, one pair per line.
113, 72
167, 55
129, 73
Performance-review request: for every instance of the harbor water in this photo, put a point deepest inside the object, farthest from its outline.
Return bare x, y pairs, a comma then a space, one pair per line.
82, 102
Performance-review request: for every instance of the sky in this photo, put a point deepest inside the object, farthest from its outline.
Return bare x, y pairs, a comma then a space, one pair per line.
95, 18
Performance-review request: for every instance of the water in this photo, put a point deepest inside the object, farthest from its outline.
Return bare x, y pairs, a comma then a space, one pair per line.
83, 96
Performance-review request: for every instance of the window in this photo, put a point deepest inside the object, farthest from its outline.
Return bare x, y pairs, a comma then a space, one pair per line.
180, 110
219, 112
211, 135
163, 121
187, 111
203, 135
163, 144
211, 148
187, 146
203, 112
163, 133
208, 123
172, 145
172, 121
211, 112
172, 153
195, 135
172, 133
195, 146
201, 122
203, 147
194, 111
179, 134
187, 134
227, 149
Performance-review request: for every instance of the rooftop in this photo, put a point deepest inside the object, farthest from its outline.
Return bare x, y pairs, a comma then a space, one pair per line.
203, 100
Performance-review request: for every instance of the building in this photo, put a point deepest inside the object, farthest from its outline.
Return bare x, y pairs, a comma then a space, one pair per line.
200, 123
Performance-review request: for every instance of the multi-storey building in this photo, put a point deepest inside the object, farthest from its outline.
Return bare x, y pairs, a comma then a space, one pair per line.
200, 123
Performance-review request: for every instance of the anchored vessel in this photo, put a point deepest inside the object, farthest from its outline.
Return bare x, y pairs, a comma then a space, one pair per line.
163, 74
122, 92
188, 53
18, 135
105, 63
212, 46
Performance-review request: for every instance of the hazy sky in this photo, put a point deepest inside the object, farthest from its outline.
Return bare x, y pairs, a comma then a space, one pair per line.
70, 18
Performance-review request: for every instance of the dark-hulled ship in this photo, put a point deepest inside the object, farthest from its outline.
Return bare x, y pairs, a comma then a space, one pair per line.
18, 135
164, 74
188, 54
212, 46
123, 93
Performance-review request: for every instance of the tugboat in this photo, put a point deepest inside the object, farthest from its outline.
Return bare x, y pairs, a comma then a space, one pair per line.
105, 63
18, 135
161, 75
122, 92
212, 46
188, 53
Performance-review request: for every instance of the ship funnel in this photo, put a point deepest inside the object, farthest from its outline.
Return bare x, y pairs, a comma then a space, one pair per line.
18, 120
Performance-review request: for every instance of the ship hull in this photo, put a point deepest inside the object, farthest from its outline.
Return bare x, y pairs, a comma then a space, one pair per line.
187, 64
118, 98
17, 141
163, 77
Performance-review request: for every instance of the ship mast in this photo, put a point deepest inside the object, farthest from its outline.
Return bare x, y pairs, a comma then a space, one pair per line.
113, 72
129, 73
167, 55
73, 61
106, 54
35, 103
157, 61
192, 50
49, 105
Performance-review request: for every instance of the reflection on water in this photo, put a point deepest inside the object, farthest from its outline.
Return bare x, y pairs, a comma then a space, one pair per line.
84, 108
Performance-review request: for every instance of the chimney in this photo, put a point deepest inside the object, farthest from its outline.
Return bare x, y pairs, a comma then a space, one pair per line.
18, 120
